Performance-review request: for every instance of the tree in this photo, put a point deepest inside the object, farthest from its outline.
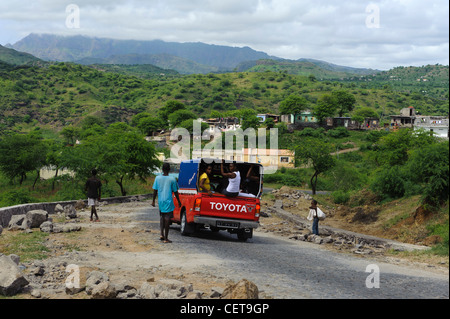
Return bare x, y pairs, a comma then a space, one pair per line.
269, 123
248, 118
326, 107
389, 182
169, 108
345, 101
315, 153
119, 153
293, 104
429, 167
365, 112
70, 134
148, 125
20, 154
54, 157
179, 116
393, 149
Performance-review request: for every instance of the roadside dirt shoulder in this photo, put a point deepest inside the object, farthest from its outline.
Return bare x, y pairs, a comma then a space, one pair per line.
297, 204
126, 247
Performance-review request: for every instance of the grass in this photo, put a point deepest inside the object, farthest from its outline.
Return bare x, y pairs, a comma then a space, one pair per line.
66, 188
29, 246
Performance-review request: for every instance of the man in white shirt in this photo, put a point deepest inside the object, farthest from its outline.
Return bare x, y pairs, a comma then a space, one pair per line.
234, 180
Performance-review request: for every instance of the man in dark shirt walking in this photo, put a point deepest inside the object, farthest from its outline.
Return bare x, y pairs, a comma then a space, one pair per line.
94, 193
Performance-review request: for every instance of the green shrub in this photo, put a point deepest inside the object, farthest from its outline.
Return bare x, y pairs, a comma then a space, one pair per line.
308, 131
389, 182
16, 197
338, 132
340, 197
442, 231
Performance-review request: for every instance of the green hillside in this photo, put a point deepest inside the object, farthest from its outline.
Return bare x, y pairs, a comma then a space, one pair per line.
306, 67
14, 57
56, 95
163, 61
145, 71
429, 80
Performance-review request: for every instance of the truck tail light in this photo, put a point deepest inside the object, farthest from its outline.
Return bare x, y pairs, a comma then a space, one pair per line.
258, 209
197, 204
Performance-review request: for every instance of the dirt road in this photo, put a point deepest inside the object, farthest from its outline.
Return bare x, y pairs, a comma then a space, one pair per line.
125, 244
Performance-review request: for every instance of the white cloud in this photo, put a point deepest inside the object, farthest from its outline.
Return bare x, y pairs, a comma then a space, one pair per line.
412, 32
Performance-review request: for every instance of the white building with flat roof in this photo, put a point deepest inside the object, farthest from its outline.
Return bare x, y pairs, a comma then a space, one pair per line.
436, 124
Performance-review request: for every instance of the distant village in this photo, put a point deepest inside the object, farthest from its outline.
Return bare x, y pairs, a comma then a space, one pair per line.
407, 118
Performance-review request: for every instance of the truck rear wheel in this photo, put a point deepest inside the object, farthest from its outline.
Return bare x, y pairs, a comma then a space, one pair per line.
244, 234
186, 229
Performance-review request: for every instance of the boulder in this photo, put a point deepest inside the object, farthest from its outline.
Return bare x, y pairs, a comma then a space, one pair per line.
67, 228
46, 227
16, 221
125, 291
147, 291
104, 290
244, 289
11, 278
93, 279
36, 218
1, 229
59, 208
37, 268
216, 292
15, 258
70, 211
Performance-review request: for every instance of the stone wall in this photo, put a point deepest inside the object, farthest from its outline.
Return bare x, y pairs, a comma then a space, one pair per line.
7, 212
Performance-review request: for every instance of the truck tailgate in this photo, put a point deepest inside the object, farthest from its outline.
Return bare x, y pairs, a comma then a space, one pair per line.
218, 205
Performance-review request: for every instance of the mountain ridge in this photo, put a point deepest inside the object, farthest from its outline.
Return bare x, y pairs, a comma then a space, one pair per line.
73, 48
209, 57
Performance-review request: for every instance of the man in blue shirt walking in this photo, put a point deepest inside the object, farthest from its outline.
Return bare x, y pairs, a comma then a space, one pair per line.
163, 187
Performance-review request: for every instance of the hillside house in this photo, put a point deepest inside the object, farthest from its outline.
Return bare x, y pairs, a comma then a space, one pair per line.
264, 117
436, 124
347, 122
406, 118
371, 123
266, 157
304, 117
223, 124
287, 118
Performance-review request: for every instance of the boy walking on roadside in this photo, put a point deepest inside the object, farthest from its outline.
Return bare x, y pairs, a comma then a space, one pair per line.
94, 192
163, 187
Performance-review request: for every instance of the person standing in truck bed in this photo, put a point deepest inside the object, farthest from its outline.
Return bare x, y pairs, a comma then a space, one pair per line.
163, 187
234, 180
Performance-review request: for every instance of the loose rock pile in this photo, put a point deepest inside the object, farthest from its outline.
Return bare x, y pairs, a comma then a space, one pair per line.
12, 278
39, 278
39, 219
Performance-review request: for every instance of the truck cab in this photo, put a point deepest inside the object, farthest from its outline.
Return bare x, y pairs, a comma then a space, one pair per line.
199, 209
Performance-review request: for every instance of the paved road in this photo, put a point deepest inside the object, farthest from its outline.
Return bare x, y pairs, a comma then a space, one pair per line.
293, 270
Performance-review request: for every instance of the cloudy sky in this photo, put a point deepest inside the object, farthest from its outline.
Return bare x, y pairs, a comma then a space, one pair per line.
378, 34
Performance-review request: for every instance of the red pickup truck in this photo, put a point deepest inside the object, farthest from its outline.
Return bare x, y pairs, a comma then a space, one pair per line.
238, 215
